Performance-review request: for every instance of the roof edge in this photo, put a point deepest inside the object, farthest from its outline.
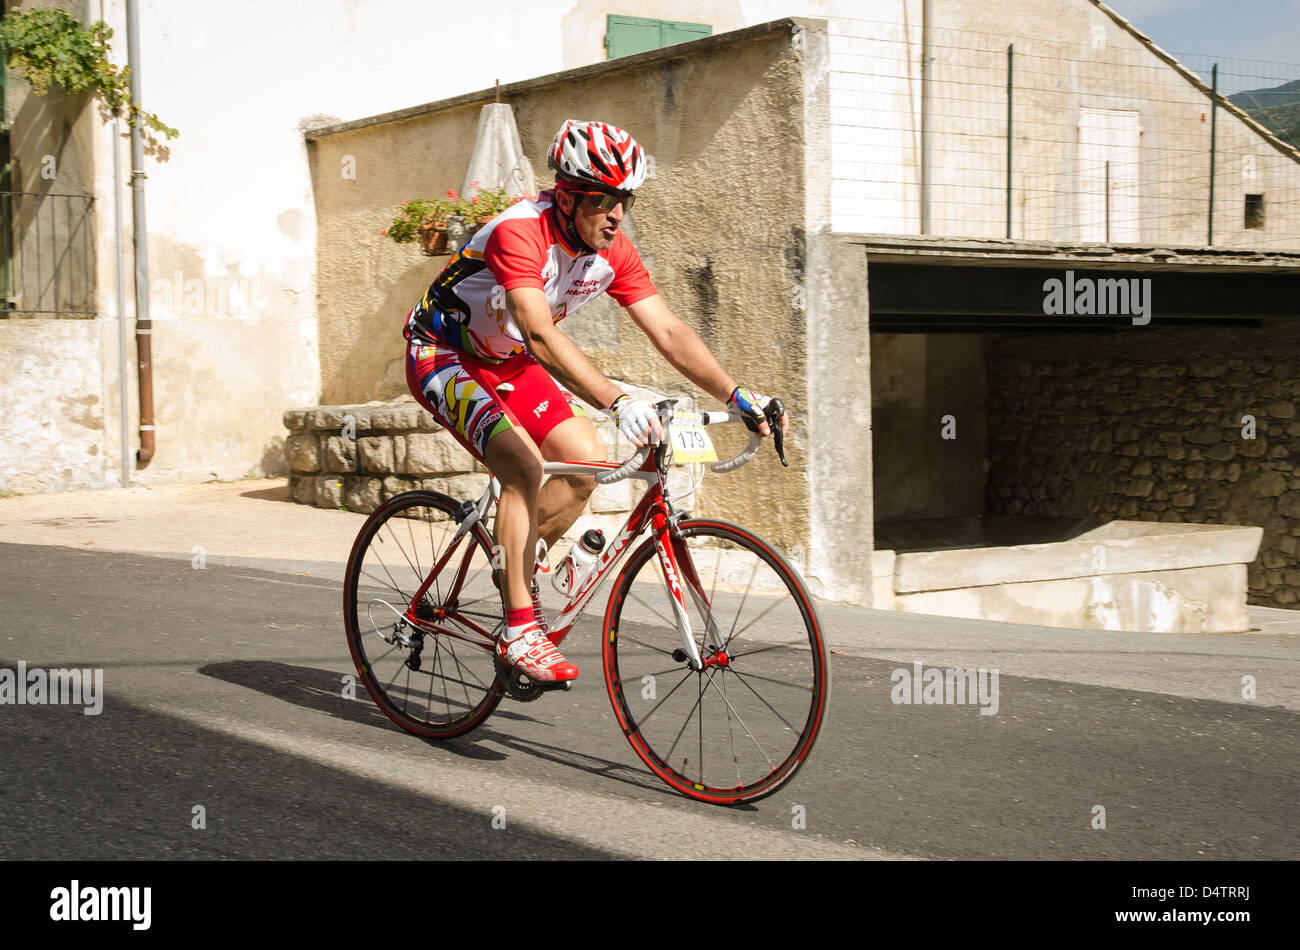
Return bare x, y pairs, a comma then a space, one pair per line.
592, 71
1287, 150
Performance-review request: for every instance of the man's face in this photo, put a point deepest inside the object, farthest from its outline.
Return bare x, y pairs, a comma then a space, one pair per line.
597, 228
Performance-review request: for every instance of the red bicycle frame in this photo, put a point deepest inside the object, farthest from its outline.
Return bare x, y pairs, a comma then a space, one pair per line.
652, 511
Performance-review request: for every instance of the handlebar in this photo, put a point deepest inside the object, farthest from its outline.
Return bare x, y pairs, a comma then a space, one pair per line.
772, 413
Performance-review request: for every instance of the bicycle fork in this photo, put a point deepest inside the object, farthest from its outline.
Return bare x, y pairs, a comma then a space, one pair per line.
679, 573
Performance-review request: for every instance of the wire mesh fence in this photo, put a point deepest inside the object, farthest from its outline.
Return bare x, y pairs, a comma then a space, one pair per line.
47, 253
1062, 140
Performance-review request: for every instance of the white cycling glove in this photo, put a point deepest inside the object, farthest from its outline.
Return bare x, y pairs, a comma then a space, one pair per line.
632, 416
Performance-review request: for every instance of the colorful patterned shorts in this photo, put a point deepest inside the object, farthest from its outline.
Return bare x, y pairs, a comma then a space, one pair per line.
476, 400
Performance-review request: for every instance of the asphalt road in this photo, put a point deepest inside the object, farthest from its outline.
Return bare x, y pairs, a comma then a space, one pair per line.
223, 692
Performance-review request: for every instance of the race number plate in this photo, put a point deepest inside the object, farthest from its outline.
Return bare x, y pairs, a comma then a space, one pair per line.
690, 442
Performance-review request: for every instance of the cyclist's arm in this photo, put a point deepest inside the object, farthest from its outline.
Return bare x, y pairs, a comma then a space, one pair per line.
554, 350
682, 346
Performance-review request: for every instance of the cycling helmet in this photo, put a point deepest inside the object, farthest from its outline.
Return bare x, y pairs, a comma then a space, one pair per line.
599, 154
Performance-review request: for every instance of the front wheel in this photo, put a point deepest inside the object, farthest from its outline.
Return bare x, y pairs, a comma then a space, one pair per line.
740, 728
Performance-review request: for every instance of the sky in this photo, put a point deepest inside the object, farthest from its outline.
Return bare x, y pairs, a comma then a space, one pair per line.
1248, 38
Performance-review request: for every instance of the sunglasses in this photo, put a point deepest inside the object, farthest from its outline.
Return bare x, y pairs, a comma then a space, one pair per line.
606, 201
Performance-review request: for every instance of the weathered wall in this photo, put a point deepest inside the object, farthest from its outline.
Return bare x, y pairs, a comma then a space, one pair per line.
1149, 426
1070, 55
721, 251
52, 386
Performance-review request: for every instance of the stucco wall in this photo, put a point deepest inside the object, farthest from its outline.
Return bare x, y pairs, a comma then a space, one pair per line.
1069, 55
723, 252
51, 374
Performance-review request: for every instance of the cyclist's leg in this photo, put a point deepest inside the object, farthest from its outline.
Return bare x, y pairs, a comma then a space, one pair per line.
462, 394
517, 464
563, 497
557, 424
452, 388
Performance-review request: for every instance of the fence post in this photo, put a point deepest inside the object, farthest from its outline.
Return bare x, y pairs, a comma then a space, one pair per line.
1010, 48
1214, 115
1108, 202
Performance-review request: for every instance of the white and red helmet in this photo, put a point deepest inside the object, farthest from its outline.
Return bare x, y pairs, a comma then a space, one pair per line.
598, 153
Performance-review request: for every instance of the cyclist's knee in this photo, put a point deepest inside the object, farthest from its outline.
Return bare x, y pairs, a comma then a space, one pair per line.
515, 462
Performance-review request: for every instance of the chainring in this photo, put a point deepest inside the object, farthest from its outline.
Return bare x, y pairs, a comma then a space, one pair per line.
516, 684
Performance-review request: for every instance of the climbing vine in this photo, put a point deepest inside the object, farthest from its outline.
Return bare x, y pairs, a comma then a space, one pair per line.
52, 48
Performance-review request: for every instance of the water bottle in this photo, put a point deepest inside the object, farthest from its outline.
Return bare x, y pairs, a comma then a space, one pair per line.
572, 572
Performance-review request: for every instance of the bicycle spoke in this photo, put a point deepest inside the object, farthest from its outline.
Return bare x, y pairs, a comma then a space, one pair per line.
624, 679
648, 646
641, 601
745, 727
398, 545
701, 764
687, 722
767, 679
769, 648
741, 608
767, 704
647, 716
775, 603
392, 582
731, 735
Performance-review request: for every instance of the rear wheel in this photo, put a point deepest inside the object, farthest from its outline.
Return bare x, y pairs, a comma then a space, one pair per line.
432, 675
740, 728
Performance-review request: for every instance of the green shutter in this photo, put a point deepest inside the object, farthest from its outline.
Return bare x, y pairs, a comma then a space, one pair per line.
627, 35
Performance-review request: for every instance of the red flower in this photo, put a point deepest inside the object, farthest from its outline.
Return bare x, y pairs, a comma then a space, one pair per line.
452, 195
384, 233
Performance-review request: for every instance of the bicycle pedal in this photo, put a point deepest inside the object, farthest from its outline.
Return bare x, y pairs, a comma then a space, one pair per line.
520, 688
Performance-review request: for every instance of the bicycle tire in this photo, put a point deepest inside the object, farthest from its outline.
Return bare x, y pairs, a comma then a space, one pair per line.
639, 633
373, 599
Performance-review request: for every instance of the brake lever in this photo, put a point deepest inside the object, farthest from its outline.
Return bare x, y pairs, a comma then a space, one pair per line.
773, 413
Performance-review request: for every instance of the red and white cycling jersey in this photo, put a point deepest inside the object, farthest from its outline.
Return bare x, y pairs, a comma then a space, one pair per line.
524, 246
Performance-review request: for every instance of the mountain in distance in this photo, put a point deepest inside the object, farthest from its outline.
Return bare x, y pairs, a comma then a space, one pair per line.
1277, 109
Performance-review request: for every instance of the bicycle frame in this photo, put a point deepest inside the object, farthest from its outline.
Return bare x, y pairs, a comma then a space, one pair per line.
653, 512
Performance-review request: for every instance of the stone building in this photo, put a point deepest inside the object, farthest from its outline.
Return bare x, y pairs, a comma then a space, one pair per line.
861, 211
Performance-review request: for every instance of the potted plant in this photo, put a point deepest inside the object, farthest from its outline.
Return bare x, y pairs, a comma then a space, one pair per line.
424, 219
444, 225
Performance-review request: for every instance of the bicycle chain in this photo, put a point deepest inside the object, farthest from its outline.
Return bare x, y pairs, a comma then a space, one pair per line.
452, 679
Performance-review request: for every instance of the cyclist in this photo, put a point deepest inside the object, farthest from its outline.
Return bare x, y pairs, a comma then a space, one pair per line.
484, 353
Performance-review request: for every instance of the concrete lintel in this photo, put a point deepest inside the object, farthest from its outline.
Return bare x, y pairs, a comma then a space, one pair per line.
991, 252
1164, 547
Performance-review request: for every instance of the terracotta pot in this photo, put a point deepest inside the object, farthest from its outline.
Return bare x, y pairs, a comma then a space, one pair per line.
433, 239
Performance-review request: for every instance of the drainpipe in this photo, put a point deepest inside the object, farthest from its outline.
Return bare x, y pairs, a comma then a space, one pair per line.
119, 256
143, 325
121, 304
926, 18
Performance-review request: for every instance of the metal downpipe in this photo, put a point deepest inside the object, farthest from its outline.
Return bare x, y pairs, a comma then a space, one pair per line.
143, 325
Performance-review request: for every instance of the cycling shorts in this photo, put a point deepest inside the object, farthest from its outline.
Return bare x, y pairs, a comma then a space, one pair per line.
476, 400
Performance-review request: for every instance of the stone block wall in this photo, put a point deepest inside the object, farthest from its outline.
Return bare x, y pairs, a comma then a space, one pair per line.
1153, 426
360, 456
357, 457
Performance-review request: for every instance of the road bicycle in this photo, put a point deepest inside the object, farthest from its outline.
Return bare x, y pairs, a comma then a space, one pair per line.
712, 649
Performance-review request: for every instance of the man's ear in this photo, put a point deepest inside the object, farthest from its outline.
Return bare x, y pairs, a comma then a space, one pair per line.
565, 195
